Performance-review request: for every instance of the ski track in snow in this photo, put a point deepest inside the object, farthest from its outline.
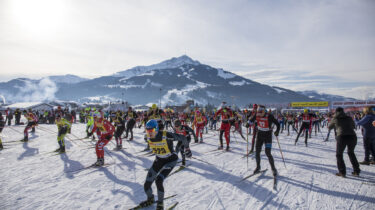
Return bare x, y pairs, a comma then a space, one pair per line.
34, 178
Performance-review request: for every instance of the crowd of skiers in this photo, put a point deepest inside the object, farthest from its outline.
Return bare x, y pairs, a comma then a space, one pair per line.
162, 127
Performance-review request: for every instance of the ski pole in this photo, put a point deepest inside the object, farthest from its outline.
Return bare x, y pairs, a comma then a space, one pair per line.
280, 150
247, 148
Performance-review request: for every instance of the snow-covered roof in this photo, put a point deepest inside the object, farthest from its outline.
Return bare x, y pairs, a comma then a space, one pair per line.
26, 105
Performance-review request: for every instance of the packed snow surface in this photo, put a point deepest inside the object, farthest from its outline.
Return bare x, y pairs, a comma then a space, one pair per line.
34, 178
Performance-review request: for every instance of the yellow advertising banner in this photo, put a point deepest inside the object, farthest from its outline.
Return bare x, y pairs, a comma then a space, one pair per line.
310, 104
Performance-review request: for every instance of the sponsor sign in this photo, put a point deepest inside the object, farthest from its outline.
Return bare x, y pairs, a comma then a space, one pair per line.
310, 104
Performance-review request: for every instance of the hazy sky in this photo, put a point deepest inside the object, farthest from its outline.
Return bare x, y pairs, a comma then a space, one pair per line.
324, 45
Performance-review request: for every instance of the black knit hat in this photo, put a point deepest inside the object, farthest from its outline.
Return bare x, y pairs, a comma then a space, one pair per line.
339, 109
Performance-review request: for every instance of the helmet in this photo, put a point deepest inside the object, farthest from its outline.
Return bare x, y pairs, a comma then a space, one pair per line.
198, 112
177, 123
152, 124
154, 106
305, 111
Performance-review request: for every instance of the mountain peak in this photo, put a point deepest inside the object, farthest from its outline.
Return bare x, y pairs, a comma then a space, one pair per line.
172, 63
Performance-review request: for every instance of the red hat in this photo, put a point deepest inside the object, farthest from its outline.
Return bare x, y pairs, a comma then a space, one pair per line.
255, 106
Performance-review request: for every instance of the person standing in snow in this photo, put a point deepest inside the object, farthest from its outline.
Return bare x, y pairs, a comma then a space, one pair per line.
63, 126
199, 123
368, 135
104, 130
130, 117
226, 116
255, 127
185, 131
346, 137
306, 125
31, 123
161, 143
2, 124
264, 136
120, 127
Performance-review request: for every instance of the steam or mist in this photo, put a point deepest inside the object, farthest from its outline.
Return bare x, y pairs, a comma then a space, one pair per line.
44, 90
2, 97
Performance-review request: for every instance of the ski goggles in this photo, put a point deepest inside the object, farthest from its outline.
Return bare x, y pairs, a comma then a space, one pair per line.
150, 130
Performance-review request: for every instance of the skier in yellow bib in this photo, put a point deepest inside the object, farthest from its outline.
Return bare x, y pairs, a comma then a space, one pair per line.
161, 143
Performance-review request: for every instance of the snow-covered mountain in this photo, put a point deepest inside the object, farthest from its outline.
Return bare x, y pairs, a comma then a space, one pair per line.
324, 97
68, 78
173, 81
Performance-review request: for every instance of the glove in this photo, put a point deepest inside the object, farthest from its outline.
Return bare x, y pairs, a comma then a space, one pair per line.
90, 134
276, 133
188, 153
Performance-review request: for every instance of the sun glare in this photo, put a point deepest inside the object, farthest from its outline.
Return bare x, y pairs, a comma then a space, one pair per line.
38, 18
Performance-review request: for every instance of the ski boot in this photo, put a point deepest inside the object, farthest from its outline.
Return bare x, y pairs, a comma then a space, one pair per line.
183, 162
274, 172
25, 139
355, 173
99, 162
147, 202
201, 141
62, 150
341, 174
131, 138
160, 205
257, 170
220, 147
227, 149
1, 146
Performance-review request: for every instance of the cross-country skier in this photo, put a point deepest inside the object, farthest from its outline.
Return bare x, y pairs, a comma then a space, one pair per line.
130, 117
226, 116
255, 127
2, 124
368, 135
199, 122
264, 136
104, 129
306, 124
120, 127
185, 131
31, 123
161, 143
63, 126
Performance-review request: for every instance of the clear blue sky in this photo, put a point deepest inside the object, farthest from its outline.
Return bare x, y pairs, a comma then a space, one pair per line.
302, 45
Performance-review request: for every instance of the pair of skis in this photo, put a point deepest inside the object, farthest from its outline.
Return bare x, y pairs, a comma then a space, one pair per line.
166, 198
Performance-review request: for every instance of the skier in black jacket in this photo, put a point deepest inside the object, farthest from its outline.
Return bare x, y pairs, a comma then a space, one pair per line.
346, 136
130, 117
185, 131
161, 143
264, 136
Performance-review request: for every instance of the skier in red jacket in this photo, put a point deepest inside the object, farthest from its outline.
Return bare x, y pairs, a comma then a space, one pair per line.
226, 116
104, 129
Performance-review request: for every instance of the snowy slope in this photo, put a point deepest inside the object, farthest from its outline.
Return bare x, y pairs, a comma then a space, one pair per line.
32, 178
